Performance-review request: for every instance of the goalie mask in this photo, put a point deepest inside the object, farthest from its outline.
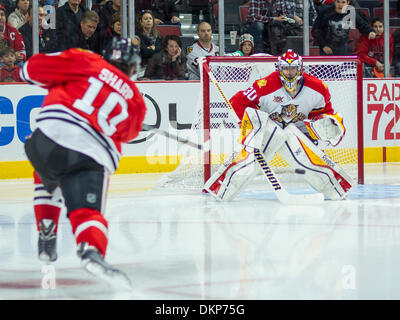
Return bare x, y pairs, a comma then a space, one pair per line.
290, 67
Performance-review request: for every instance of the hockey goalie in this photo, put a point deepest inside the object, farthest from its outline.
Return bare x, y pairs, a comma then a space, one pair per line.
287, 112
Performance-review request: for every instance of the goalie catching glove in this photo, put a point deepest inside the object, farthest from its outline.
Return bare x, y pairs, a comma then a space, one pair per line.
327, 127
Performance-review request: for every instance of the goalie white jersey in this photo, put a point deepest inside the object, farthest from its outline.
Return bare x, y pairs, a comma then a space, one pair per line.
269, 95
194, 52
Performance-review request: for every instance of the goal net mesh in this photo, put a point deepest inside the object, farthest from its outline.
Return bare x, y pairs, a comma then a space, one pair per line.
236, 74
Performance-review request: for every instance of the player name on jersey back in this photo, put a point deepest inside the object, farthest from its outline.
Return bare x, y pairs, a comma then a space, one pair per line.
116, 82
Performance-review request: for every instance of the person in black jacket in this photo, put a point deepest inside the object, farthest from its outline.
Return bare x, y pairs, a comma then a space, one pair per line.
106, 11
113, 30
165, 12
87, 37
168, 64
332, 26
68, 18
48, 41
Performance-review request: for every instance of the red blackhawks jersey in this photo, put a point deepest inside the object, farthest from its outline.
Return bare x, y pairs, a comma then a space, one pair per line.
14, 39
91, 107
269, 95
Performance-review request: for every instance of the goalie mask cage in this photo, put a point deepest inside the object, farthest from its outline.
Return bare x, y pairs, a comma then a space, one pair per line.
216, 129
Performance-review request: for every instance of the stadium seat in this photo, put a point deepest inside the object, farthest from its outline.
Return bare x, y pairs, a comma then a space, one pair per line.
243, 11
314, 51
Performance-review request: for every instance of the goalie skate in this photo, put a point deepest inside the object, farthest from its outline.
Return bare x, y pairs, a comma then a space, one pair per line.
93, 262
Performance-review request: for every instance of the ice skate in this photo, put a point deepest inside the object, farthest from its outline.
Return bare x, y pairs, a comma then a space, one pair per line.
93, 262
47, 243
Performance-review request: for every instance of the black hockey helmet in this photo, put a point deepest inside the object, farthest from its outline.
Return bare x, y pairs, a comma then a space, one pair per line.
123, 51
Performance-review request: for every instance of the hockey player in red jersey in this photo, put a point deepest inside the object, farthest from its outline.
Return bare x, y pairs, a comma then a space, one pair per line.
91, 107
280, 113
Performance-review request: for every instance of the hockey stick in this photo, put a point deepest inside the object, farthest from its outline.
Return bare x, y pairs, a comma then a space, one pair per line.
146, 127
282, 195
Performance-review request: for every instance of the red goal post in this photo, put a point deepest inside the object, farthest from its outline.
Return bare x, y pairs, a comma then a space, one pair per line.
342, 74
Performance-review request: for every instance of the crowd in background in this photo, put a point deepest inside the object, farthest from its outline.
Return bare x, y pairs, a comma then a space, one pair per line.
268, 25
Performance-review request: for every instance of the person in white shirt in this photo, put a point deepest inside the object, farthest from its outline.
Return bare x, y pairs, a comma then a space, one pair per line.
201, 48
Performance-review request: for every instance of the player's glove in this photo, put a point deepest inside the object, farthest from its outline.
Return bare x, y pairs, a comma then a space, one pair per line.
327, 127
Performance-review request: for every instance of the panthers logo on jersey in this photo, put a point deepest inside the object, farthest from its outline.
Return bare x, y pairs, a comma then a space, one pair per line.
288, 115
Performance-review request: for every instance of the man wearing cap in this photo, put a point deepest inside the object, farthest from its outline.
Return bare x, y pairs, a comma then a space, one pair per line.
9, 36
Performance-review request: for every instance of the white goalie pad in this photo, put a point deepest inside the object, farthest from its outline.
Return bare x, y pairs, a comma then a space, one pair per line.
232, 176
323, 174
258, 131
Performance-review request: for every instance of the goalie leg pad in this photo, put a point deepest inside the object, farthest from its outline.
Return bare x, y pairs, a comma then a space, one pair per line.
232, 176
322, 173
258, 131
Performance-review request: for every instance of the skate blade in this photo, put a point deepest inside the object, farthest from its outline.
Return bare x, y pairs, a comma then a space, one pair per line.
114, 278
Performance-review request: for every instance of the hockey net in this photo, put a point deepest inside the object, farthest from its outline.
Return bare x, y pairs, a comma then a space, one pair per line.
215, 127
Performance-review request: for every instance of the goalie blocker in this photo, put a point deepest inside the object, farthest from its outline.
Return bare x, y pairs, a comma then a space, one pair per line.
259, 132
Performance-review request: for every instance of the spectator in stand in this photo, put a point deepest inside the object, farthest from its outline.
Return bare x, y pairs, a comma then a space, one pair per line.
246, 46
331, 28
165, 12
150, 38
68, 18
20, 14
9, 36
320, 4
259, 19
288, 22
168, 64
87, 37
47, 37
396, 53
9, 72
371, 51
201, 48
106, 11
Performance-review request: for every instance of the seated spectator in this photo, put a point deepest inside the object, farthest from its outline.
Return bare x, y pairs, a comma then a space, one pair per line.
106, 11
288, 22
165, 12
259, 18
246, 46
168, 64
113, 30
87, 37
47, 37
68, 19
371, 51
9, 72
201, 48
10, 37
331, 29
150, 38
20, 14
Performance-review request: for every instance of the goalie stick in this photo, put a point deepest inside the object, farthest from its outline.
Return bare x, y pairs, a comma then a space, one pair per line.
146, 127
282, 195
